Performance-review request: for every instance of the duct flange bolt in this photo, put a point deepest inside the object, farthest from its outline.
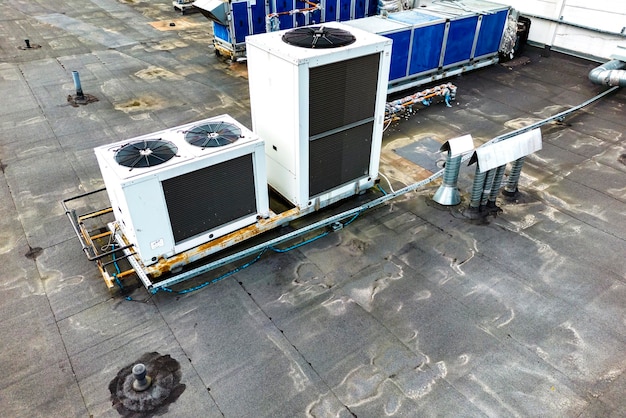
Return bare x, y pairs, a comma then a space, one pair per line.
142, 380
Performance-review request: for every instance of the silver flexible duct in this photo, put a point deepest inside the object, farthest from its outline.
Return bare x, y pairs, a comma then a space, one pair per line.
611, 73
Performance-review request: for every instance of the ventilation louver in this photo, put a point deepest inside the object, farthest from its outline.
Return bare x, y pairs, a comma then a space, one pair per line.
318, 37
145, 153
214, 134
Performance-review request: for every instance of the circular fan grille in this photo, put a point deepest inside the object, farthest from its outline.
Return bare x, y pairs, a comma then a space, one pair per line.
318, 37
213, 134
145, 153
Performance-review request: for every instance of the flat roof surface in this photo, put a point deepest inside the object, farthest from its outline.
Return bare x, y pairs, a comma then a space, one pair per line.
411, 310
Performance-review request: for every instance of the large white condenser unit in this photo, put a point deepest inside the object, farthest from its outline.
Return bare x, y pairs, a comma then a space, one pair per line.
178, 188
317, 97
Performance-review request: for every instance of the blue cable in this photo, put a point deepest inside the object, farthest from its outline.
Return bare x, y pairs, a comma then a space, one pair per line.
293, 247
353, 219
117, 268
222, 277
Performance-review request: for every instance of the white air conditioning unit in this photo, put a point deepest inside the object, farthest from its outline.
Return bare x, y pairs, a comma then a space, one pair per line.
178, 188
317, 96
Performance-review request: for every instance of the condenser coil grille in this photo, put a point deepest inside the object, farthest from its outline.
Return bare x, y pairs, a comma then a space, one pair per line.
145, 153
214, 134
342, 93
210, 197
339, 158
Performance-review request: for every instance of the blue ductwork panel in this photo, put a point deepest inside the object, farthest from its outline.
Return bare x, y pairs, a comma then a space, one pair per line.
258, 13
359, 9
221, 32
240, 20
439, 40
436, 40
345, 10
330, 10
400, 33
490, 34
460, 39
426, 48
284, 6
314, 17
426, 40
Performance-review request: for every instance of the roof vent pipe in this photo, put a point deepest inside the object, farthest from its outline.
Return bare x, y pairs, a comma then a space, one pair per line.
448, 194
495, 188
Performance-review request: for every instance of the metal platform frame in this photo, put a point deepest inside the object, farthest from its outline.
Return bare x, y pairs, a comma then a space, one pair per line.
110, 262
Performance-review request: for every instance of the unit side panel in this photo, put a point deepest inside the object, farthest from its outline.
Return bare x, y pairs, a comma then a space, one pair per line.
275, 98
379, 112
148, 215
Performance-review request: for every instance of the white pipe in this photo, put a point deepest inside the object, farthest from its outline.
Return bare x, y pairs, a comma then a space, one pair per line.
611, 73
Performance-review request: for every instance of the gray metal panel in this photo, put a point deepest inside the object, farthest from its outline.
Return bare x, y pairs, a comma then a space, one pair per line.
459, 145
503, 152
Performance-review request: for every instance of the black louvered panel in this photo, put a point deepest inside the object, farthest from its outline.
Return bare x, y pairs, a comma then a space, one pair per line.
205, 199
342, 93
339, 158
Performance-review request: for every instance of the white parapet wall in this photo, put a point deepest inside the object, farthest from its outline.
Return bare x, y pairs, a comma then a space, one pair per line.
587, 28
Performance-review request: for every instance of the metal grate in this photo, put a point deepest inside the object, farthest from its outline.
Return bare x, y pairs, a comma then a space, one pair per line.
214, 134
145, 153
208, 198
318, 37
339, 158
342, 93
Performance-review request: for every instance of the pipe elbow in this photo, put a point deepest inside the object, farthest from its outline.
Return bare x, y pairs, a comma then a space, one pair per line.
611, 73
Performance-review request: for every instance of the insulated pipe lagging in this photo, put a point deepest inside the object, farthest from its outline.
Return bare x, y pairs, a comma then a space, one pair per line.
491, 174
495, 188
477, 189
611, 73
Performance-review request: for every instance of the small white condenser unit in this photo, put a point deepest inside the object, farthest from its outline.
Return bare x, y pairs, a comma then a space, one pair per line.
178, 188
317, 96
